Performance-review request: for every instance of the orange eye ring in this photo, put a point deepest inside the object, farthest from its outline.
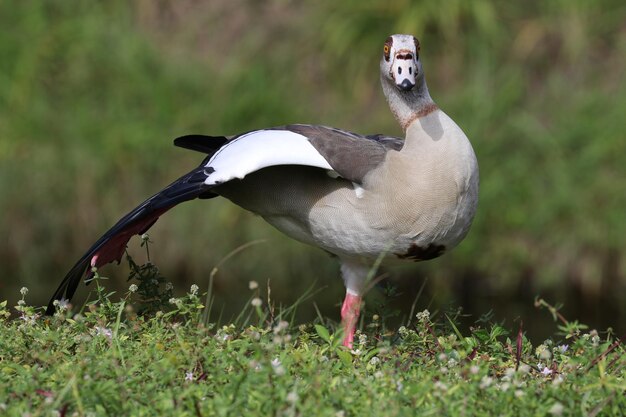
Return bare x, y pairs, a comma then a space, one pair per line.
387, 48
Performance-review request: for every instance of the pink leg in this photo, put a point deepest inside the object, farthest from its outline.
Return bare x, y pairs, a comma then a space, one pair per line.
349, 317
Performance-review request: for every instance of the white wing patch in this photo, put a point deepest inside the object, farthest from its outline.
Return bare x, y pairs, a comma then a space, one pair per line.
358, 190
260, 149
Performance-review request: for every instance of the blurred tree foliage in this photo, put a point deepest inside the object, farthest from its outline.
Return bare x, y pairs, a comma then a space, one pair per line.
91, 94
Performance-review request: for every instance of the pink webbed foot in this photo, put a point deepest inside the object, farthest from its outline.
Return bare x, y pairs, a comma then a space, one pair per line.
349, 317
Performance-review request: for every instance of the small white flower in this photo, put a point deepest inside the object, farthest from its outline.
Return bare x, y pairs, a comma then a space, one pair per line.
276, 362
145, 237
504, 387
362, 339
474, 369
485, 382
508, 374
103, 331
169, 286
279, 370
189, 376
280, 327
29, 320
556, 409
563, 348
292, 397
256, 302
194, 289
443, 370
441, 386
23, 291
374, 361
173, 300
253, 285
222, 336
62, 304
546, 371
133, 288
423, 316
23, 303
519, 393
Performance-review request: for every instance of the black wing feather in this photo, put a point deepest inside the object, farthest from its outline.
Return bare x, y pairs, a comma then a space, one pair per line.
138, 221
201, 143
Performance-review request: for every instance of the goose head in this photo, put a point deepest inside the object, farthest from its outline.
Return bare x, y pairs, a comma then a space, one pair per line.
400, 64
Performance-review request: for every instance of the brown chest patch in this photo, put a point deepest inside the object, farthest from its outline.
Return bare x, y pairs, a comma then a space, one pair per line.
419, 253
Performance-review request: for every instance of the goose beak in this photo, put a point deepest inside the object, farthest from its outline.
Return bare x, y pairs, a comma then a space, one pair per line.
406, 85
403, 71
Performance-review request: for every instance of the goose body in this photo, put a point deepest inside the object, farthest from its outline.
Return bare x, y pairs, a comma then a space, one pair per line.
357, 197
432, 206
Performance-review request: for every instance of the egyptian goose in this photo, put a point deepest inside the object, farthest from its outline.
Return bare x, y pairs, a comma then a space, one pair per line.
357, 197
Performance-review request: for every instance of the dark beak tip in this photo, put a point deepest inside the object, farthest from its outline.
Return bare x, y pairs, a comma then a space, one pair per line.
405, 85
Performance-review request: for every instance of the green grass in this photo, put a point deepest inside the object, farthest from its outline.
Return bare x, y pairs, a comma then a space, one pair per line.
146, 353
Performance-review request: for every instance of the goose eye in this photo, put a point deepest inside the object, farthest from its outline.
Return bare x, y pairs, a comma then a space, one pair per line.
387, 48
417, 44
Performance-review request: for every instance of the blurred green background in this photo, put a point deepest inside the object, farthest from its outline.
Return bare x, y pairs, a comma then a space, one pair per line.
92, 94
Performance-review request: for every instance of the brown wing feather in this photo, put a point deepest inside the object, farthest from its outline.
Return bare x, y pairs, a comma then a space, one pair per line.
351, 155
